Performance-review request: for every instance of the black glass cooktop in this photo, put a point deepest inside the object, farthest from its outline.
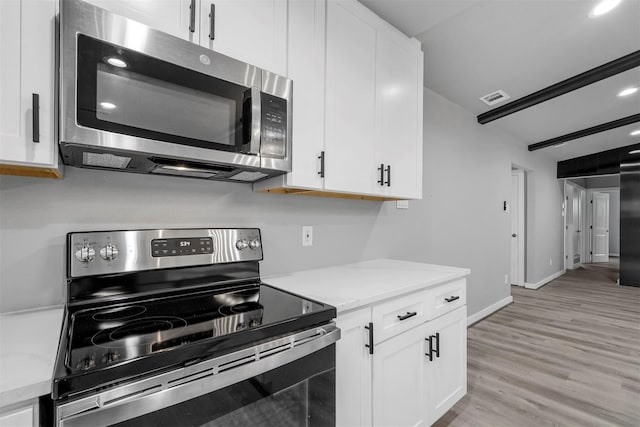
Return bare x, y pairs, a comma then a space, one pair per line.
109, 335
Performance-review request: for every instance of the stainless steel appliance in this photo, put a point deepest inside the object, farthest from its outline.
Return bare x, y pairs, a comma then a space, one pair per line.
135, 99
174, 327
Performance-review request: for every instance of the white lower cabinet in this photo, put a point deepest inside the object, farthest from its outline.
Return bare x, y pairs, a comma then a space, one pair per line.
417, 370
399, 392
447, 371
20, 416
353, 370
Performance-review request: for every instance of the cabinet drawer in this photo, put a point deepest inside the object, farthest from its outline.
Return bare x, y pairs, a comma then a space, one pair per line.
398, 315
445, 298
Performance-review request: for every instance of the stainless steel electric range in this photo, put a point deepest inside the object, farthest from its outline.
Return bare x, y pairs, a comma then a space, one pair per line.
175, 328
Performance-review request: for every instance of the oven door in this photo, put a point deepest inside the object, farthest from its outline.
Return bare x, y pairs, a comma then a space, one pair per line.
289, 381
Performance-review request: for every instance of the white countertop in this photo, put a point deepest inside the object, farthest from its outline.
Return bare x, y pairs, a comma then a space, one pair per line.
352, 286
28, 347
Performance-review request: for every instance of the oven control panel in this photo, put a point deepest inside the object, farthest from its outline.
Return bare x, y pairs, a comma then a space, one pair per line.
108, 252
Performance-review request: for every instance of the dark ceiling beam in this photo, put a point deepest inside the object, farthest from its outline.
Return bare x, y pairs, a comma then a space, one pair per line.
586, 132
609, 69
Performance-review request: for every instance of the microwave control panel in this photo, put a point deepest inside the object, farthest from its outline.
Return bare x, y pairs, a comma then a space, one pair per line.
274, 126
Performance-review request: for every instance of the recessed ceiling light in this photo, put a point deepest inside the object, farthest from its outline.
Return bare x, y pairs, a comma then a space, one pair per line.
603, 7
635, 132
628, 91
108, 105
634, 152
560, 145
116, 62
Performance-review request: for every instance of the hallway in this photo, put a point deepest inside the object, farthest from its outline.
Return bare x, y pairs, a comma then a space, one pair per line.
567, 354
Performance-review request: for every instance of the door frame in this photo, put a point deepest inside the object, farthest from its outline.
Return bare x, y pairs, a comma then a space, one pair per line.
585, 241
520, 280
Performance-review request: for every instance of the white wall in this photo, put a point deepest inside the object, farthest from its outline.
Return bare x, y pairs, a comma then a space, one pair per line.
459, 222
36, 214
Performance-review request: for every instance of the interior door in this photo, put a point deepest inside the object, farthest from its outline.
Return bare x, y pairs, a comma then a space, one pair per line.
600, 220
517, 228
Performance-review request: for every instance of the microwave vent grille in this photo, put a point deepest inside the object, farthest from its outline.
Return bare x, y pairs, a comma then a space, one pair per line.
105, 160
248, 176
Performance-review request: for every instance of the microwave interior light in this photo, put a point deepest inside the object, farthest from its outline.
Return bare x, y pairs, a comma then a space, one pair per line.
108, 105
628, 91
603, 7
116, 62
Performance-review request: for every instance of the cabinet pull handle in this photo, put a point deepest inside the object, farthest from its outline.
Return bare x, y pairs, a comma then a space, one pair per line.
408, 315
381, 170
370, 345
388, 176
437, 349
451, 299
212, 22
192, 16
35, 111
430, 354
321, 157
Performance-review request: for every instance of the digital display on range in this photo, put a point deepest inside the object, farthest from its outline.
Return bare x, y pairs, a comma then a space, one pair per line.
179, 247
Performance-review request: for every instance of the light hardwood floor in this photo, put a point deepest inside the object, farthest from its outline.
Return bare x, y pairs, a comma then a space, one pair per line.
567, 354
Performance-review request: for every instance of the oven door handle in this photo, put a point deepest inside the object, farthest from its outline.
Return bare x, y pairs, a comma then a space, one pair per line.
147, 395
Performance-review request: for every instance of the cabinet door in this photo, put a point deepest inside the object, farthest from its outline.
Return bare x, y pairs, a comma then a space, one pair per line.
305, 66
19, 418
447, 372
27, 48
353, 370
350, 94
176, 17
399, 114
253, 31
399, 380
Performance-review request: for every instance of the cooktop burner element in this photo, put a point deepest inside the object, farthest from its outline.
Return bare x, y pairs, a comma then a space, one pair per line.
135, 314
119, 313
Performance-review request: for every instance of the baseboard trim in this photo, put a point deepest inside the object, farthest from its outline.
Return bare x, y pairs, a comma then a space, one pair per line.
476, 317
544, 281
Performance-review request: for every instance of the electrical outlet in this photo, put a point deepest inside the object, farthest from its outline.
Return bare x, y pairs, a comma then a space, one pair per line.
506, 279
307, 235
402, 204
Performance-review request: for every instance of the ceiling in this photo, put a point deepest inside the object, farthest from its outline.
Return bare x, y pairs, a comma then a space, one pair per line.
475, 47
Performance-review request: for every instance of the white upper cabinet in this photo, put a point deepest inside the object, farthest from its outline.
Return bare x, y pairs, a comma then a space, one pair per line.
253, 31
357, 110
398, 114
176, 17
350, 100
305, 66
28, 144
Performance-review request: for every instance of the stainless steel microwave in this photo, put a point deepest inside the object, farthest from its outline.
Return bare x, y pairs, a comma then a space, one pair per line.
135, 99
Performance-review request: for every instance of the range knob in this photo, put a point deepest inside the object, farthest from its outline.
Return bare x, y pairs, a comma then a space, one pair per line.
85, 254
242, 244
254, 244
110, 357
109, 252
86, 363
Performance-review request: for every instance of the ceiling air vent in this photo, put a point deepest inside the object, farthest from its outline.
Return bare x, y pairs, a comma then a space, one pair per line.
494, 98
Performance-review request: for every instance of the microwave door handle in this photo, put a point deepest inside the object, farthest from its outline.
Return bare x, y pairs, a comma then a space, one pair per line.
256, 115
